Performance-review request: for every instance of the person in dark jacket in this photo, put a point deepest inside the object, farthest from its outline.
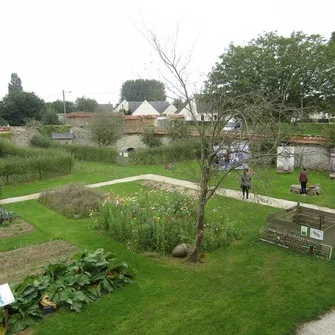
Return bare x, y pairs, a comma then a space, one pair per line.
245, 180
303, 178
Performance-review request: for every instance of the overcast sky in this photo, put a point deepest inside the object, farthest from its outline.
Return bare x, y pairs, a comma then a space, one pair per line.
92, 47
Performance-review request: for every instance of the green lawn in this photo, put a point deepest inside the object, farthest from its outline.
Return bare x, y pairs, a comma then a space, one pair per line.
315, 129
250, 288
266, 181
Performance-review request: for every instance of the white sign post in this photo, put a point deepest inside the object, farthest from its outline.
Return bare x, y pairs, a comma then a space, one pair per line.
6, 298
6, 295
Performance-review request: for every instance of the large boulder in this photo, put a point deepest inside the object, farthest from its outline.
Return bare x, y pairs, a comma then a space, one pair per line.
181, 250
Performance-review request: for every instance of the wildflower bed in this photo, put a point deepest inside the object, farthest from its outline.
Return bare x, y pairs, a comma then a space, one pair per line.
156, 221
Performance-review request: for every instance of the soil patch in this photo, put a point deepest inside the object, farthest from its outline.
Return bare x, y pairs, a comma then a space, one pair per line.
170, 188
20, 263
15, 228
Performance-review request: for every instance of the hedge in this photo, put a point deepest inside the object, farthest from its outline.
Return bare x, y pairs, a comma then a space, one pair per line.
21, 169
49, 129
181, 150
91, 153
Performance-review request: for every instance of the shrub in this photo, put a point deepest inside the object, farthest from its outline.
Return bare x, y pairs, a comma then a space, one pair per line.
1, 188
175, 151
70, 200
148, 138
106, 128
91, 153
41, 141
5, 135
47, 130
21, 169
23, 164
157, 221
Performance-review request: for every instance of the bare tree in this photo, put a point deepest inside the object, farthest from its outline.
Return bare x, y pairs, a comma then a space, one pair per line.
210, 111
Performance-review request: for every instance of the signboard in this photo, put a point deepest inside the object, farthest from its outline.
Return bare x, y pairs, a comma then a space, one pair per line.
236, 157
304, 231
6, 295
316, 233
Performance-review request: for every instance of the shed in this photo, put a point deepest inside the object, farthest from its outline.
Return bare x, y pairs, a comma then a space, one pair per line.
123, 157
65, 138
303, 229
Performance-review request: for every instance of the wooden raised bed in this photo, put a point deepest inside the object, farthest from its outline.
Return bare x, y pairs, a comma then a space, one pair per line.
303, 229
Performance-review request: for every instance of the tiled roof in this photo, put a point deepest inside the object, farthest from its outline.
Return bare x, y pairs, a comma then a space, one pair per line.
308, 139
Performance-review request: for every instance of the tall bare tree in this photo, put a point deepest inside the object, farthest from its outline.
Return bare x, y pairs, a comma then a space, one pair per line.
210, 110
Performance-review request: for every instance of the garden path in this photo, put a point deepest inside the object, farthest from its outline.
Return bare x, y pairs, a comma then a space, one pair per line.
255, 198
324, 326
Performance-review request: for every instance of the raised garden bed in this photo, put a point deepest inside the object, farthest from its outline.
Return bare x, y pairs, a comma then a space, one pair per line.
15, 228
303, 229
19, 263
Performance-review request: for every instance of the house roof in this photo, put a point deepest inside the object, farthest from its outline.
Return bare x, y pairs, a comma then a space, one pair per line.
105, 108
62, 136
159, 106
200, 104
133, 105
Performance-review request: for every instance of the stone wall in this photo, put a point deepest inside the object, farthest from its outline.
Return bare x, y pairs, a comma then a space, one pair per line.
310, 156
81, 136
22, 135
134, 140
314, 157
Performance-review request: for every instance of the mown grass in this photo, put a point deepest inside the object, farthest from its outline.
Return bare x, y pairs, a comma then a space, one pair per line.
248, 288
266, 181
314, 129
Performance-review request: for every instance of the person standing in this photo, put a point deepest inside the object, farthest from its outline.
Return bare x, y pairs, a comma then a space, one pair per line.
303, 178
246, 182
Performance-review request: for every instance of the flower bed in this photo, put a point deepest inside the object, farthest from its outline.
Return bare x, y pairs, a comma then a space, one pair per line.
157, 221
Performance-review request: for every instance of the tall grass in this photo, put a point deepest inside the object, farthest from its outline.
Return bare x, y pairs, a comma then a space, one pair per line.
70, 200
176, 151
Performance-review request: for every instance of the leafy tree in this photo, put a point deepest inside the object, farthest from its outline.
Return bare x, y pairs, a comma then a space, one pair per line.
298, 69
18, 107
332, 38
143, 89
106, 128
15, 84
50, 117
58, 106
84, 104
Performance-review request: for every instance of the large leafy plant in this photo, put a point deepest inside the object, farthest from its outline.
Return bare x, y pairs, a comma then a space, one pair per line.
86, 279
7, 215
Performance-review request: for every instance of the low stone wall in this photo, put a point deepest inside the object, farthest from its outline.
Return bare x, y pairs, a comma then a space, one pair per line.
22, 135
81, 136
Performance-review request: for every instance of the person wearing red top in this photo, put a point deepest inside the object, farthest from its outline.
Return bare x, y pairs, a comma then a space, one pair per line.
303, 178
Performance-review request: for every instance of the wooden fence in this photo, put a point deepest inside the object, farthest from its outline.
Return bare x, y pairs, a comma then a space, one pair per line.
303, 229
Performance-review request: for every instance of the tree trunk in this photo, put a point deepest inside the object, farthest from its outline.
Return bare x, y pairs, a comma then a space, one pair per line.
195, 252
